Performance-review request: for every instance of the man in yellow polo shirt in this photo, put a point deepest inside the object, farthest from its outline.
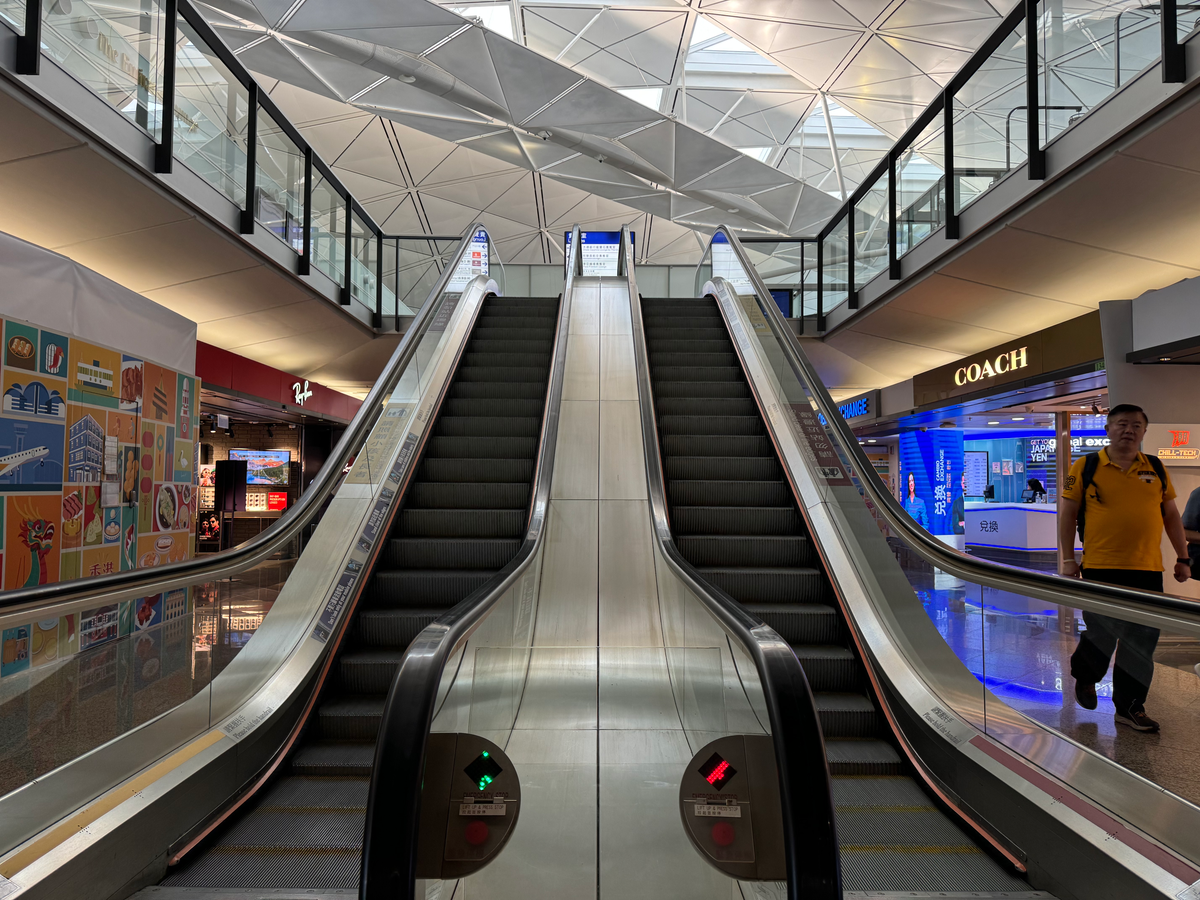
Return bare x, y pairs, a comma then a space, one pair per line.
1128, 500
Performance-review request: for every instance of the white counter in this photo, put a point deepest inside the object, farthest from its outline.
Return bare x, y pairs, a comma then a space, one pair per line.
1013, 526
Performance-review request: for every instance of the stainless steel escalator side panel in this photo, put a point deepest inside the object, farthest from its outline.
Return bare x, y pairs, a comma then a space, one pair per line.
925, 682
424, 683
172, 773
786, 706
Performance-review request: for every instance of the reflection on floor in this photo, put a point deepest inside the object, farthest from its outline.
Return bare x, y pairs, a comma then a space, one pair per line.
1018, 648
90, 676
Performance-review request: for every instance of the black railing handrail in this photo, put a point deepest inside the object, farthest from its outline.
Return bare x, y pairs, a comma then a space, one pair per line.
1121, 602
393, 817
146, 582
806, 799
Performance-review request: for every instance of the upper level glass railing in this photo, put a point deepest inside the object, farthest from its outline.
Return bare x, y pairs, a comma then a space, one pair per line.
147, 58
1019, 639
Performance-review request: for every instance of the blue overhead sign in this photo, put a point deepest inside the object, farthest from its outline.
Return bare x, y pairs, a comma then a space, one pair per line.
600, 250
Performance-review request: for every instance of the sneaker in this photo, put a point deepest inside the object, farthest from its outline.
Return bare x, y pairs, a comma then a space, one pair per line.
1085, 694
1137, 720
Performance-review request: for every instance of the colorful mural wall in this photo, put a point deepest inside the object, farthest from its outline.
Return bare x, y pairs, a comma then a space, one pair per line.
97, 463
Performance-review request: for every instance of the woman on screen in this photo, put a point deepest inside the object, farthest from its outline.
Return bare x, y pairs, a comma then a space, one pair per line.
914, 505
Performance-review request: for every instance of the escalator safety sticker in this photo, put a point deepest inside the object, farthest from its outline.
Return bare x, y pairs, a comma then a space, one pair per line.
405, 455
334, 605
719, 810
817, 446
482, 809
375, 521
244, 723
948, 726
8, 887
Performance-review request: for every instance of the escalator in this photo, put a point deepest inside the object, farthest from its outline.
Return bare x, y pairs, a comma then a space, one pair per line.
462, 519
734, 519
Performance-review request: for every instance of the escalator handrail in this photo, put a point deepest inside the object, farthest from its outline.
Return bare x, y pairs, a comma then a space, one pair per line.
1105, 598
147, 582
394, 801
810, 835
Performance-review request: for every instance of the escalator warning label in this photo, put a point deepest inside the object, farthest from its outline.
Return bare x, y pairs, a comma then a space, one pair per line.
946, 725
333, 607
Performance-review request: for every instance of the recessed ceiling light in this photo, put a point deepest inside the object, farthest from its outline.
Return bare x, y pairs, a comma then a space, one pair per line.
870, 440
1018, 418
1164, 359
860, 443
993, 423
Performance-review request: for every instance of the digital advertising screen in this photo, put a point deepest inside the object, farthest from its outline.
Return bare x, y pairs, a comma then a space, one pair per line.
265, 466
931, 470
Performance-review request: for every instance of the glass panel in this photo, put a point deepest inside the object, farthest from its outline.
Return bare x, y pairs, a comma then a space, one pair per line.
920, 188
782, 266
211, 114
329, 229
835, 266
12, 13
1187, 19
419, 263
279, 183
871, 232
1076, 64
989, 121
363, 253
115, 49
390, 273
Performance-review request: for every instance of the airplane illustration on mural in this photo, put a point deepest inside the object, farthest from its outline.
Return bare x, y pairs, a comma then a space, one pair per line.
14, 461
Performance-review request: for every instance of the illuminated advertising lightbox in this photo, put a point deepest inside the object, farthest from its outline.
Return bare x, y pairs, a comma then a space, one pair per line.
931, 468
265, 466
276, 501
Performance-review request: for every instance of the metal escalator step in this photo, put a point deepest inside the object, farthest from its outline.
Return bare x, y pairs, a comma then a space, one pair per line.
689, 332
705, 406
724, 358
354, 758
452, 553
526, 345
963, 871
830, 668
735, 520
509, 301
529, 372
475, 523
770, 585
546, 310
522, 318
392, 627
695, 373
481, 447
350, 718
864, 757
711, 550
717, 445
728, 493
320, 829
710, 425
468, 495
298, 869
488, 426
499, 332
368, 671
451, 470
847, 715
716, 468
497, 390
423, 588
317, 793
493, 408
801, 623
896, 792
679, 302
922, 828
692, 346
667, 387
474, 359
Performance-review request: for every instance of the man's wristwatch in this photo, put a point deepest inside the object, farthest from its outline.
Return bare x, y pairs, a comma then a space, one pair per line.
1184, 559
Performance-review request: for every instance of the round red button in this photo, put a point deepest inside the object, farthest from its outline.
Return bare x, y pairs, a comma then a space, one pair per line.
477, 832
723, 834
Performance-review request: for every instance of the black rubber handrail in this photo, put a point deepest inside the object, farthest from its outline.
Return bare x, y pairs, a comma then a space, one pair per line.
394, 803
1112, 600
147, 582
805, 786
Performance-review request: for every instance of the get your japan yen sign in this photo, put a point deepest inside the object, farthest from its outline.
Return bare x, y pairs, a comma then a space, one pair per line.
816, 445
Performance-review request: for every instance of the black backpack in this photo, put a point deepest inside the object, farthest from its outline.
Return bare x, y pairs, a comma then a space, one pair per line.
1091, 462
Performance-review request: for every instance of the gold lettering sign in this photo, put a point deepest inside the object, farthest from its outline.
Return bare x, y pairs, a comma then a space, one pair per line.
1002, 364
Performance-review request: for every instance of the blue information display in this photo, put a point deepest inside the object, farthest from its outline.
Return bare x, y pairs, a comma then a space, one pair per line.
931, 468
601, 251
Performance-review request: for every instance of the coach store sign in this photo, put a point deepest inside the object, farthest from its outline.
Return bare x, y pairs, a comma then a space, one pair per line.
1065, 346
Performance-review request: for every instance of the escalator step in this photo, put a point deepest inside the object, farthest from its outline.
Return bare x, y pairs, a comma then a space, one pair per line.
721, 359
830, 668
801, 623
488, 426
353, 758
450, 470
423, 588
710, 425
493, 408
475, 523
963, 871
717, 445
485, 332
368, 671
527, 320
847, 715
395, 628
317, 793
689, 332
320, 829
547, 310
449, 553
662, 345
495, 302
297, 869
770, 585
716, 468
500, 390
523, 346
665, 387
705, 406
468, 495
862, 758
711, 550
469, 372
350, 718
728, 493
481, 447
511, 360
694, 372
909, 828
735, 520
